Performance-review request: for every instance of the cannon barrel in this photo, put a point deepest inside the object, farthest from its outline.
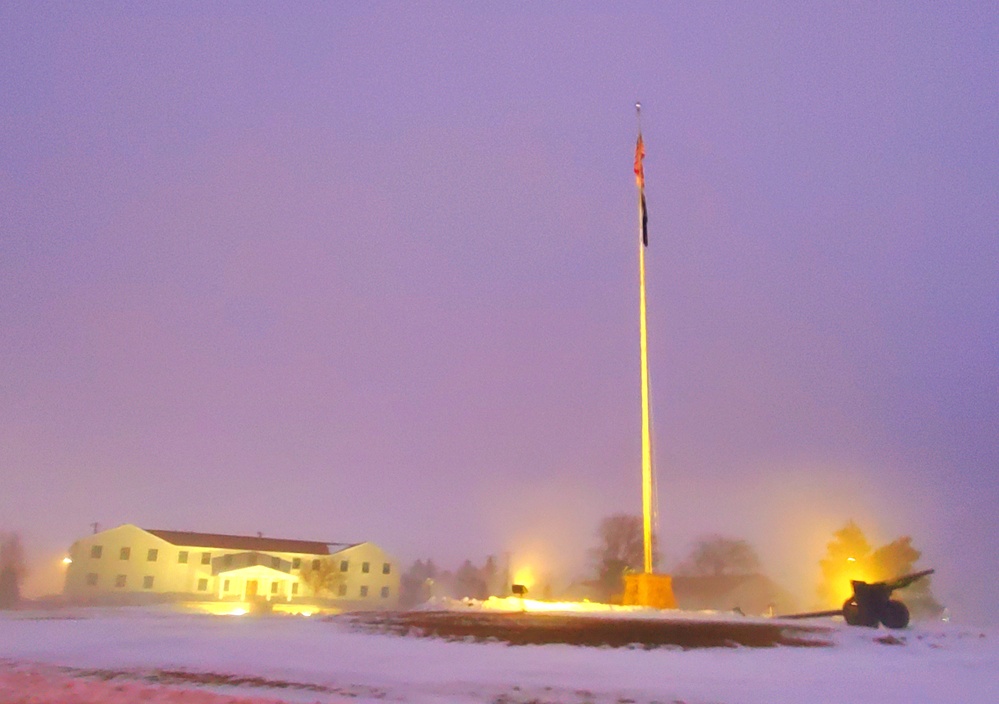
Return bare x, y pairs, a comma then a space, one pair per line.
871, 603
906, 580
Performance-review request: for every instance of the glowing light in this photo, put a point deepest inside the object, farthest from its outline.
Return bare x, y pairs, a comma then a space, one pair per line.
512, 603
851, 570
67, 560
238, 612
524, 575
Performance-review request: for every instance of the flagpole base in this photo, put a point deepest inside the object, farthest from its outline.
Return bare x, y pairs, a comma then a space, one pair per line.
644, 589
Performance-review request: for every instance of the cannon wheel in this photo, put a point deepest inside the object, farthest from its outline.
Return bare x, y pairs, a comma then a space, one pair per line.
895, 615
856, 616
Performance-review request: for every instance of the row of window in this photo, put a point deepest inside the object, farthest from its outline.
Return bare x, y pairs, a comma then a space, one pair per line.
120, 581
147, 583
152, 555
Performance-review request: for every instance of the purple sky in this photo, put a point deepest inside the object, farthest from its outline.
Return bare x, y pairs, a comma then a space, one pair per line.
371, 274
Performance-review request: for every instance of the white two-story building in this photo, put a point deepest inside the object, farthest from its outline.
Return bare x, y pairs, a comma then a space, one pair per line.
129, 564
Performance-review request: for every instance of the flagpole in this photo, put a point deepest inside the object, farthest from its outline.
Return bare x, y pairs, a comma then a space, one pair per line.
646, 588
647, 479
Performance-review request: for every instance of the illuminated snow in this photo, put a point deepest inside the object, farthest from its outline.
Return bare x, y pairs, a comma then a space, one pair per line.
937, 663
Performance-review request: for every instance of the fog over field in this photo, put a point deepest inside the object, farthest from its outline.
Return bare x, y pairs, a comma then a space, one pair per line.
371, 274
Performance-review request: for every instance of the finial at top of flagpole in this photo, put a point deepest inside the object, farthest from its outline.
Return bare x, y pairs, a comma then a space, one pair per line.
638, 114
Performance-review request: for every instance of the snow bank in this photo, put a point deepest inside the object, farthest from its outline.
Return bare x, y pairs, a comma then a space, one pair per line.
514, 604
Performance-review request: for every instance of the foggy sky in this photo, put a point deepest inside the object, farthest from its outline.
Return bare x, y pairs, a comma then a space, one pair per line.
370, 273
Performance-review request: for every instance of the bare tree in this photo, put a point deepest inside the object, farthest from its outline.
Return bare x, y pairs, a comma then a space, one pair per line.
717, 555
12, 570
469, 582
621, 548
491, 576
321, 576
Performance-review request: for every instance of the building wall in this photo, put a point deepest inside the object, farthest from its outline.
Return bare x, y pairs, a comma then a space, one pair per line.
362, 588
126, 563
116, 561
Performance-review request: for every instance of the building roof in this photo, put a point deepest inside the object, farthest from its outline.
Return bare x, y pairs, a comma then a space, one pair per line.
246, 542
752, 593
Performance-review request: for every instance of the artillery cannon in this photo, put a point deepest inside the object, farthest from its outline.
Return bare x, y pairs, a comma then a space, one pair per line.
872, 603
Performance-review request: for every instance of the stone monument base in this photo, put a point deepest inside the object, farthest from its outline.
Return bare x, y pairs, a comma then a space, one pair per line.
655, 590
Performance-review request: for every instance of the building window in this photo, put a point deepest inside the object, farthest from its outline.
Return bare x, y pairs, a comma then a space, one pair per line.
147, 582
385, 592
294, 589
296, 563
364, 590
274, 587
386, 568
276, 563
182, 557
95, 551
365, 567
202, 585
227, 560
152, 555
344, 564
315, 564
225, 585
92, 579
119, 581
125, 553
206, 558
341, 590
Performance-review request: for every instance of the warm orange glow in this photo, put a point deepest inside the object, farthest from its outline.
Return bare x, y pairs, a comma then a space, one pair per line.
852, 570
220, 608
293, 609
534, 606
524, 575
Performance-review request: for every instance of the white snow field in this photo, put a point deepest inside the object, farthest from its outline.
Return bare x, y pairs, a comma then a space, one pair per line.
114, 656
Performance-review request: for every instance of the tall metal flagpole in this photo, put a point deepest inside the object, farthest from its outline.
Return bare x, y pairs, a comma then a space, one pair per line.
646, 588
647, 491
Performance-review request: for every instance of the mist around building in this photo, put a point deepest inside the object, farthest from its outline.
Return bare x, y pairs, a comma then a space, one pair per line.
234, 575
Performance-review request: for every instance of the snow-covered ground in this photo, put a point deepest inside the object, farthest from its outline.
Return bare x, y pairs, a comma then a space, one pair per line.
80, 656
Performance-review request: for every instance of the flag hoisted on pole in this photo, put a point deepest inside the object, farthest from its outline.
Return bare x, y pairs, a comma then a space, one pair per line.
646, 588
648, 475
640, 181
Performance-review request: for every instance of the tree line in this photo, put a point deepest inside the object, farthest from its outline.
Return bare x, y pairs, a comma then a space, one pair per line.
425, 580
12, 570
619, 549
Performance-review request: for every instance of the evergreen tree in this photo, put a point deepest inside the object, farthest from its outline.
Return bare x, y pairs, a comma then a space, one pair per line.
846, 558
12, 570
850, 556
469, 582
417, 583
492, 578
